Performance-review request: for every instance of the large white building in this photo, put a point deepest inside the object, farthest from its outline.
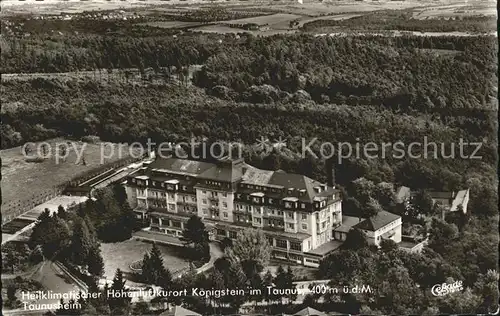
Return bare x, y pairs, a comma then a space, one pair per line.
382, 226
296, 213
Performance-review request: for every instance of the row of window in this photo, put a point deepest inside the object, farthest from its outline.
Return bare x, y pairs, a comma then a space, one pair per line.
280, 243
215, 213
279, 224
166, 222
240, 207
204, 202
215, 194
248, 208
239, 196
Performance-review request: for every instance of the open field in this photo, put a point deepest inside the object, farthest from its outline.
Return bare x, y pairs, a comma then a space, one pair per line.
336, 17
173, 24
22, 180
273, 17
309, 8
121, 254
275, 21
486, 8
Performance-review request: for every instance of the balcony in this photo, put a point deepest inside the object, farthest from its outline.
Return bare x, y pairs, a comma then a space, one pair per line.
321, 228
240, 211
214, 199
189, 203
257, 213
159, 200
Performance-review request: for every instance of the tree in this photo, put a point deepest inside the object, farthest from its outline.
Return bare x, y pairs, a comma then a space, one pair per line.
226, 243
465, 303
11, 295
388, 245
385, 195
52, 234
146, 269
141, 308
252, 249
217, 280
61, 212
487, 289
119, 305
398, 293
290, 277
153, 270
237, 281
81, 242
340, 265
441, 234
355, 240
422, 202
362, 190
281, 281
372, 208
11, 260
95, 263
194, 231
113, 218
267, 281
41, 226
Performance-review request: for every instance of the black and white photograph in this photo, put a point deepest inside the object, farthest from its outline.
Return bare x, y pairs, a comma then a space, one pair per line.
249, 157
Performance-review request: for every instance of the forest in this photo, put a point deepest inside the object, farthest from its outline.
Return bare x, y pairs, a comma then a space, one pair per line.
391, 20
372, 89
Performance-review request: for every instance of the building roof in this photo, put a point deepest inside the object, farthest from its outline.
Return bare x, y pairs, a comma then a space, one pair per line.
449, 199
441, 195
309, 311
291, 185
222, 171
378, 221
460, 199
182, 166
347, 223
303, 186
326, 248
179, 311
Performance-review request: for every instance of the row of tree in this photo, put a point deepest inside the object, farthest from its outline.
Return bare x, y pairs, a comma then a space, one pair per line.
68, 238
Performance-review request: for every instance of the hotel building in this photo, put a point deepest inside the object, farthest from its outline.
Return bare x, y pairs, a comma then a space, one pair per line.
296, 213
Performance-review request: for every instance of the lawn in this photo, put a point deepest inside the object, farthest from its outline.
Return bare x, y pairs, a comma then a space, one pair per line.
23, 181
121, 255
